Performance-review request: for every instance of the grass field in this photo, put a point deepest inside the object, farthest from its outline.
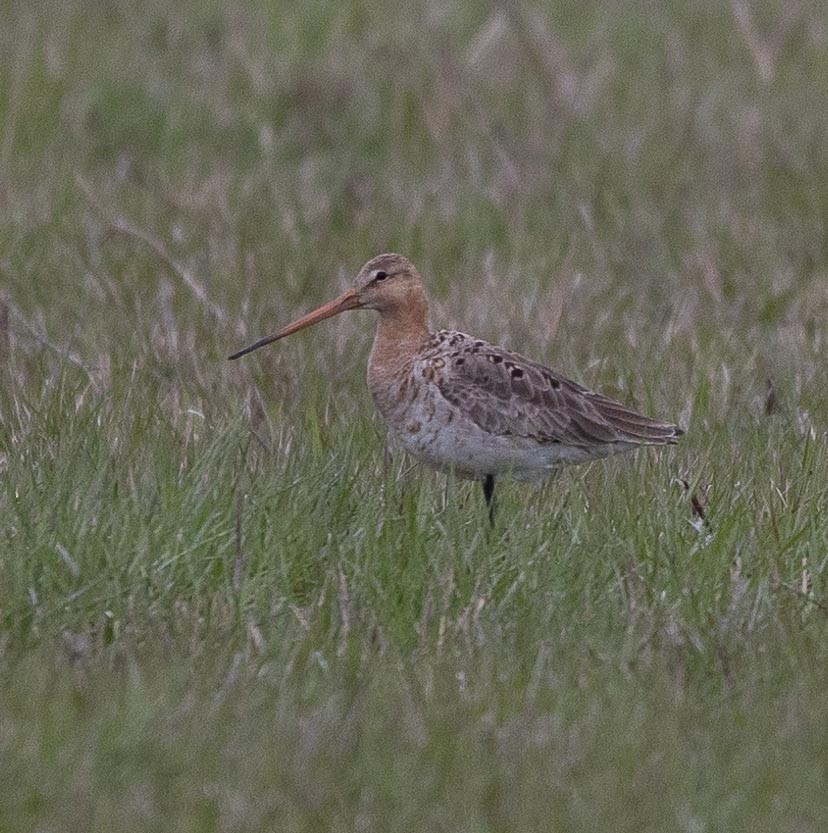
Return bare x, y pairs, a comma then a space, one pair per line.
218, 610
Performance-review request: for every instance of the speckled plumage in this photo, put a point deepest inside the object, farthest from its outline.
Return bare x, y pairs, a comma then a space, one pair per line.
460, 404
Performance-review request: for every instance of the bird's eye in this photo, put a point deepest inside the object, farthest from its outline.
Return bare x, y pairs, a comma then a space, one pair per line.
380, 276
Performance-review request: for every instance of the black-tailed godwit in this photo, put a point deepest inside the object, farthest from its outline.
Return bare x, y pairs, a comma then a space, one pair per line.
460, 404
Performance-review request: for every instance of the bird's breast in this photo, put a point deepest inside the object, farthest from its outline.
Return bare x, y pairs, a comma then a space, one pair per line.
395, 391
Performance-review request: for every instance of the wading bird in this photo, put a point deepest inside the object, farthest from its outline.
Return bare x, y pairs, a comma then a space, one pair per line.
459, 404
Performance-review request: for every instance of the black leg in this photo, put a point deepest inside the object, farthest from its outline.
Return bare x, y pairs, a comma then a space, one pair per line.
488, 493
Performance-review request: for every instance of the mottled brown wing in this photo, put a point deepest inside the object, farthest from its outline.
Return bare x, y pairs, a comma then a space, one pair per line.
509, 395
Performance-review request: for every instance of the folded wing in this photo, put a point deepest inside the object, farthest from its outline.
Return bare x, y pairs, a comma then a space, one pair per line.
507, 394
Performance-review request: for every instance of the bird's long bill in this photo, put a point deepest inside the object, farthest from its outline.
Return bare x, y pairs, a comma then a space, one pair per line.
347, 300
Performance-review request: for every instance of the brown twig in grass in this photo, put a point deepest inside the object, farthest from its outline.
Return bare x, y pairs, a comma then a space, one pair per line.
121, 226
727, 669
696, 503
771, 404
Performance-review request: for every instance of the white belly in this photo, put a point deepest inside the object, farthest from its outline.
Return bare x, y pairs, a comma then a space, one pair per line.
439, 436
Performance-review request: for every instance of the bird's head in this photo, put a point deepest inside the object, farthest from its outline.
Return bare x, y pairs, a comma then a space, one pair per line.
388, 283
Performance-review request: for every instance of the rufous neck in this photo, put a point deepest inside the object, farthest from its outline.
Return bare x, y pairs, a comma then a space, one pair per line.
400, 332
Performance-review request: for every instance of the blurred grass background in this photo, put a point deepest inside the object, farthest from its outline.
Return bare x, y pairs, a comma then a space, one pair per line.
218, 611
